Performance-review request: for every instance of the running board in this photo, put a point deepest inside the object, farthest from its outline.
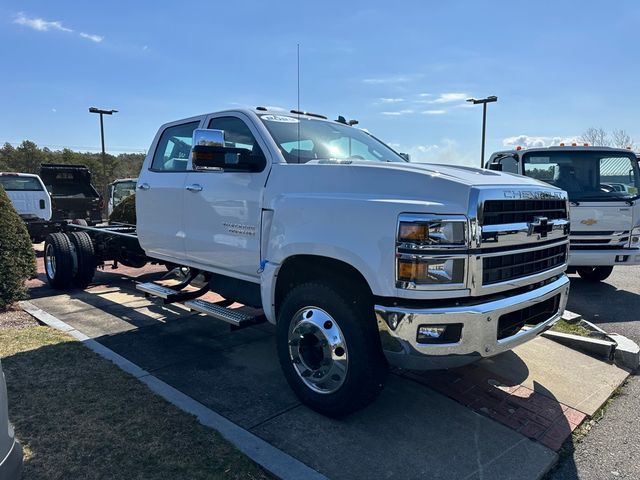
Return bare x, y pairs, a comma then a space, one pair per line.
170, 295
234, 317
156, 290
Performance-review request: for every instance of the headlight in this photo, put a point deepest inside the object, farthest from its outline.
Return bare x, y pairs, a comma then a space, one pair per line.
419, 266
419, 270
431, 232
634, 238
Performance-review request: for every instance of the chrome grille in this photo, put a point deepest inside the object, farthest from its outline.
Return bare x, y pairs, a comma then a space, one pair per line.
498, 212
599, 240
510, 266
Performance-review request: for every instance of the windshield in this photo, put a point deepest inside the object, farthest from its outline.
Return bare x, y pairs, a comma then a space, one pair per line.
17, 183
586, 174
323, 140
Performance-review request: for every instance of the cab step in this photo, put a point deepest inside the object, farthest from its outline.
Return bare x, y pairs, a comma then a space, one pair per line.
234, 317
156, 290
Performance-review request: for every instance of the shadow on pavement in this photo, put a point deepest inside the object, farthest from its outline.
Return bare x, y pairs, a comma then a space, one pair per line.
601, 302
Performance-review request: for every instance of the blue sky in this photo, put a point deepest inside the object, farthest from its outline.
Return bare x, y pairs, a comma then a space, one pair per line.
402, 68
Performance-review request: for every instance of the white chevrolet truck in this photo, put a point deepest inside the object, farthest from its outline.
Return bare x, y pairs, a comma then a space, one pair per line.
358, 257
602, 184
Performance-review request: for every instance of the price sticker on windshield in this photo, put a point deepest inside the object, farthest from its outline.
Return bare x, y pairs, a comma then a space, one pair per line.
279, 118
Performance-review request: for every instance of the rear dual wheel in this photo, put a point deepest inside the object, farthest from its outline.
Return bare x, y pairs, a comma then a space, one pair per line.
69, 260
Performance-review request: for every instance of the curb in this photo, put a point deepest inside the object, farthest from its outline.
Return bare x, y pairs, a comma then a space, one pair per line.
601, 348
623, 351
272, 459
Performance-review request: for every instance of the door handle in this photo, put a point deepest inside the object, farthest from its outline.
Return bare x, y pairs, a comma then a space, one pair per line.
144, 186
194, 187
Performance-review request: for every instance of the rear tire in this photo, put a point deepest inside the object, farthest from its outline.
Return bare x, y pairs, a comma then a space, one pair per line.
85, 259
329, 349
594, 274
58, 261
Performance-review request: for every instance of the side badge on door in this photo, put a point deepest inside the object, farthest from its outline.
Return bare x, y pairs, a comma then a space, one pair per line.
589, 221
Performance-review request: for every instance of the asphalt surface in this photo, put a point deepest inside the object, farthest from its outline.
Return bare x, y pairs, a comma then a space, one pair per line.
612, 447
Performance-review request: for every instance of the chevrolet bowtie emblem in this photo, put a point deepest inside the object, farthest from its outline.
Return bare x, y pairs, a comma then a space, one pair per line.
589, 221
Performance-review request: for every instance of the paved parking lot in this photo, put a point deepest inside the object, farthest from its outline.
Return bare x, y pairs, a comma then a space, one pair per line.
612, 448
420, 426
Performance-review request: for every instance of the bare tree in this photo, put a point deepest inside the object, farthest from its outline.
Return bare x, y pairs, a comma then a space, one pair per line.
596, 136
622, 139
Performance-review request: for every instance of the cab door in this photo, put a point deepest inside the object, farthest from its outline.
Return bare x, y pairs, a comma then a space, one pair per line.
160, 192
223, 209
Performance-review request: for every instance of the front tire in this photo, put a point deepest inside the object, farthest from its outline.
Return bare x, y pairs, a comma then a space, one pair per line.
594, 274
58, 260
329, 349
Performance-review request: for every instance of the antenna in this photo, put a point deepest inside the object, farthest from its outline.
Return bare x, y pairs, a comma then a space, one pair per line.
298, 109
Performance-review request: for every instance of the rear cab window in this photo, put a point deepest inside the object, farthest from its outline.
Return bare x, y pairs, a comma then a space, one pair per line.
17, 183
174, 146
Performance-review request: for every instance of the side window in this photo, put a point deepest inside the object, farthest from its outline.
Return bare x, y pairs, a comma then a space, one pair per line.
509, 164
236, 134
172, 152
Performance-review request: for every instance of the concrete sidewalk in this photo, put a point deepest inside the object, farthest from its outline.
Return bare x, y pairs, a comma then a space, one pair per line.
409, 432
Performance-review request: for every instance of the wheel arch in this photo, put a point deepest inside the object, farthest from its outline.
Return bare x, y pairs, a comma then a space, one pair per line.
303, 268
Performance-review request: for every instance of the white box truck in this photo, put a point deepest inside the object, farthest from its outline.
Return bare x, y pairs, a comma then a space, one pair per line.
602, 184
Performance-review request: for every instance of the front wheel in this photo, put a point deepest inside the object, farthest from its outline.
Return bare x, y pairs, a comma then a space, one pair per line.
329, 349
594, 274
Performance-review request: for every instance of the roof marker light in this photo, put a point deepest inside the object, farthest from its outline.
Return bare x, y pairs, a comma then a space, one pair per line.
574, 144
585, 145
518, 148
562, 144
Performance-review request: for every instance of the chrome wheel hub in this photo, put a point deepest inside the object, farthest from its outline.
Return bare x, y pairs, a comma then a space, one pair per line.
318, 350
50, 261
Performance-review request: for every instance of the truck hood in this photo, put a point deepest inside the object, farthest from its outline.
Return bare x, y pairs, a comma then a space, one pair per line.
469, 175
409, 187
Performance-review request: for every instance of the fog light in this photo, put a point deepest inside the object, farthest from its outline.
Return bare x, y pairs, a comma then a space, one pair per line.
438, 334
430, 332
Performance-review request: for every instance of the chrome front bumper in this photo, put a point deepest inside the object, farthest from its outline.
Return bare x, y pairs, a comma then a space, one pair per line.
479, 338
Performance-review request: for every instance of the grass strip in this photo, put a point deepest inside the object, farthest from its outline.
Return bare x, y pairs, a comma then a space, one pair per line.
80, 416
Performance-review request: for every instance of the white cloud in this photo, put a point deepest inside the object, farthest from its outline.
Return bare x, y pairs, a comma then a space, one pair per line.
529, 141
93, 38
434, 112
397, 113
54, 110
42, 25
39, 24
384, 80
423, 95
391, 100
446, 152
450, 97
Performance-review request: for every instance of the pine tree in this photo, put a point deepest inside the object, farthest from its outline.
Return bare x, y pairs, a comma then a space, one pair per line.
17, 258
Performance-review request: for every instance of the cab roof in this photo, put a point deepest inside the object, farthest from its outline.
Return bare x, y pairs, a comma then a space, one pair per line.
572, 148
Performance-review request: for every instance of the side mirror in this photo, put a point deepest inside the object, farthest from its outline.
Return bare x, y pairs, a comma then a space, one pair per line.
406, 156
210, 153
495, 166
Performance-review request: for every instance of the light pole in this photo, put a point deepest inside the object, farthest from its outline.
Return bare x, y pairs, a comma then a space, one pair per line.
484, 102
104, 161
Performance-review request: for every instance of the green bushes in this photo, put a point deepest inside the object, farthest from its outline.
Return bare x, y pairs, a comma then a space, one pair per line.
17, 258
125, 211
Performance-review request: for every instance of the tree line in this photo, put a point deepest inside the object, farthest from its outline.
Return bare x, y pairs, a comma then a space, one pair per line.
599, 137
27, 158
